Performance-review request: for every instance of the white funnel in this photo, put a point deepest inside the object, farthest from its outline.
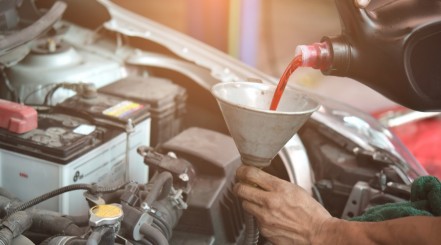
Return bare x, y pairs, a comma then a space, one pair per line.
260, 133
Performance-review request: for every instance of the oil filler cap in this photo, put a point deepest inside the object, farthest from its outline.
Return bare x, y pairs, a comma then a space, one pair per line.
107, 214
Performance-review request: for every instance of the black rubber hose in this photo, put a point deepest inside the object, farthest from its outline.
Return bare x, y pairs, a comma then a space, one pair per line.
89, 187
101, 234
159, 224
14, 226
64, 240
51, 223
153, 235
79, 220
146, 242
160, 187
113, 197
48, 222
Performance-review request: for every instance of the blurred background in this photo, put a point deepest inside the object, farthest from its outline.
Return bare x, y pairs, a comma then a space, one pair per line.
264, 34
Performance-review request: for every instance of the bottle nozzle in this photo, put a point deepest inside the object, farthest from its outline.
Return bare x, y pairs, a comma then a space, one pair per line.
316, 55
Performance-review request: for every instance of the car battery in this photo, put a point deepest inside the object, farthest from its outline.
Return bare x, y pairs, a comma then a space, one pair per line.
131, 117
167, 103
62, 150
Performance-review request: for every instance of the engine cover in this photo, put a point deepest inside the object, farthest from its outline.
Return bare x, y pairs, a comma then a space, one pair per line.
214, 214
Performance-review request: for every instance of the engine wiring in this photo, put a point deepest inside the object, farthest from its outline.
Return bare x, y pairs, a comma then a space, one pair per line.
92, 188
9, 86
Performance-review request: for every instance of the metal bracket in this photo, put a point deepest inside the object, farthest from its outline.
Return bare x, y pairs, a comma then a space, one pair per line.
358, 199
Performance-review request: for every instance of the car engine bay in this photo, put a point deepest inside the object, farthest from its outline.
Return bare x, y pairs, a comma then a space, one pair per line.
131, 147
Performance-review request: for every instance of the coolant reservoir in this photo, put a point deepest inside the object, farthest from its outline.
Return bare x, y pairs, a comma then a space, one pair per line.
51, 62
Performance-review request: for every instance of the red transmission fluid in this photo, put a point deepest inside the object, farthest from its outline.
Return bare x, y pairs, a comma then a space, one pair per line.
316, 55
16, 117
295, 63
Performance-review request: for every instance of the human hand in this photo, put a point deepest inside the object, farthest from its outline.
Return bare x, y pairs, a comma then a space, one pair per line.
285, 213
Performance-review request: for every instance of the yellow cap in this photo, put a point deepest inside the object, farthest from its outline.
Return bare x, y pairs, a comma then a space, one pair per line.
107, 211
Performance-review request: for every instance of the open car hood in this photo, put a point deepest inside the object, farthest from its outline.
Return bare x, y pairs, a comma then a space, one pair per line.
367, 133
222, 66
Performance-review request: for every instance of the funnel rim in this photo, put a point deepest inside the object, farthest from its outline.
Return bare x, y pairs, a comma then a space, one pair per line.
272, 87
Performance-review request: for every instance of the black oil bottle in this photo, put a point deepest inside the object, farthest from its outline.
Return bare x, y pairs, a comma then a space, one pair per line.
392, 46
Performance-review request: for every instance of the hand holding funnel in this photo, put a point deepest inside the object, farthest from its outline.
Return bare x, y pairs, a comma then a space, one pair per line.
260, 133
